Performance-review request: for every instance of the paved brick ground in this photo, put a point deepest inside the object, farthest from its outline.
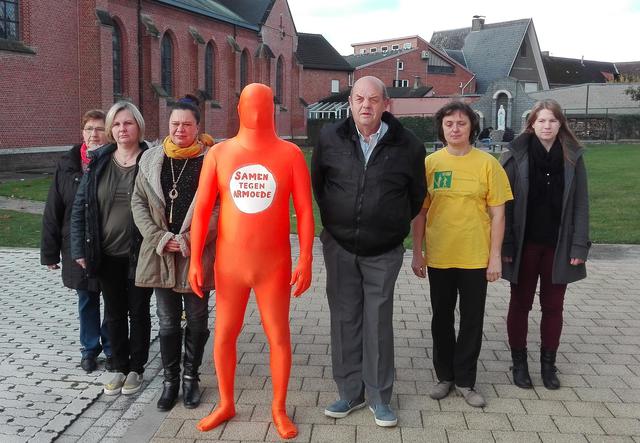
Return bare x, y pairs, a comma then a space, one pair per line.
15, 204
43, 390
599, 366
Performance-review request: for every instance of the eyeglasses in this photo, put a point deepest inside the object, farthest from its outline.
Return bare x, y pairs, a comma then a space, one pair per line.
92, 128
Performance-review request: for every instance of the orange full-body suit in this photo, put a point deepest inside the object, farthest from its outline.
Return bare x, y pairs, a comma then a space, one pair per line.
254, 174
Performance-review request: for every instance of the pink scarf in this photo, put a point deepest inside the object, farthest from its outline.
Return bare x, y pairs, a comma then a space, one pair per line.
84, 158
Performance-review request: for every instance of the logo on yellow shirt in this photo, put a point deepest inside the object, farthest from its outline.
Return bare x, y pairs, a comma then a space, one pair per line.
442, 179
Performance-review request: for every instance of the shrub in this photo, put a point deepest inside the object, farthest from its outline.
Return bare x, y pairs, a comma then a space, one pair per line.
626, 126
422, 127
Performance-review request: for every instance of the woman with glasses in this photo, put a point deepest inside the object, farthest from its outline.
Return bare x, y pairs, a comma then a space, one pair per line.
56, 239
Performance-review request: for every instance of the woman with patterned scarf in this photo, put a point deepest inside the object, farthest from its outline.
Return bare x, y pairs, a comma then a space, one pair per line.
162, 206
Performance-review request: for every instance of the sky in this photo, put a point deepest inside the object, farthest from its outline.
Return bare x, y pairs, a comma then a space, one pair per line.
596, 30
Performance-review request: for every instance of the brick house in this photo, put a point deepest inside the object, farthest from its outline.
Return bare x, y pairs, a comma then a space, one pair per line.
325, 71
411, 62
59, 58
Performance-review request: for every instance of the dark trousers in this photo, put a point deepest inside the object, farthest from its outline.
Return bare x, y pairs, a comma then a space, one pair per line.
456, 359
536, 260
169, 311
360, 295
126, 312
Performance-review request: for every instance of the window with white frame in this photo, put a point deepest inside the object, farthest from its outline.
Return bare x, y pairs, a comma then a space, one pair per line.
406, 45
395, 47
400, 65
335, 86
372, 50
404, 83
384, 48
363, 51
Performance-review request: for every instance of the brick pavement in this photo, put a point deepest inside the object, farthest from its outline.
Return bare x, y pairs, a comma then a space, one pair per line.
15, 204
43, 390
598, 361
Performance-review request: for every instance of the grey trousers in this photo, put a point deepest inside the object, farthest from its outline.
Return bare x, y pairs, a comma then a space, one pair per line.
360, 295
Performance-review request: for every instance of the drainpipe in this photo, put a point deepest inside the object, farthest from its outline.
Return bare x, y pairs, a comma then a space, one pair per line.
140, 57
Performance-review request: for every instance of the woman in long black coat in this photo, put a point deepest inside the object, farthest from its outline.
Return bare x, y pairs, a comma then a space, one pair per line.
55, 245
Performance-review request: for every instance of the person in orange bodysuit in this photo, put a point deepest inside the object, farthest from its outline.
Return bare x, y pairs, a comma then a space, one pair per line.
254, 174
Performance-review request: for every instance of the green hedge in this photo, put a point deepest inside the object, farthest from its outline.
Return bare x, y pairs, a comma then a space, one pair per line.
422, 127
626, 126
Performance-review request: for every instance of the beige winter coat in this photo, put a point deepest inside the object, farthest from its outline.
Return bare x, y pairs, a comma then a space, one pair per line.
157, 269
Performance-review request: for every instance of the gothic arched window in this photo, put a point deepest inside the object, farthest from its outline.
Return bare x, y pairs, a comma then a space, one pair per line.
166, 58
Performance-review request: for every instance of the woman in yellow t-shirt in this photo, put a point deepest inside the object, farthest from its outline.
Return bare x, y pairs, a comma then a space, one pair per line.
463, 221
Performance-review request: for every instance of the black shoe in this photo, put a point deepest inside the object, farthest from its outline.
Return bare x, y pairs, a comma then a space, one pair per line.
88, 363
108, 364
548, 369
169, 395
191, 392
520, 369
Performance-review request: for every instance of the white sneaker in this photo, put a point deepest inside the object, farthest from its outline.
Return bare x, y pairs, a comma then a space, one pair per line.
132, 384
114, 385
472, 397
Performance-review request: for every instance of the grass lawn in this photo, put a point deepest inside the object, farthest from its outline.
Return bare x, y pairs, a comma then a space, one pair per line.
28, 189
614, 180
614, 184
19, 229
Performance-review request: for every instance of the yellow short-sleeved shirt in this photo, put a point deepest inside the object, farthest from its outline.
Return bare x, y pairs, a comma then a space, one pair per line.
459, 191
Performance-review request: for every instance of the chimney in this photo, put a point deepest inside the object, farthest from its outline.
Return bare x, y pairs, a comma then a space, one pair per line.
477, 24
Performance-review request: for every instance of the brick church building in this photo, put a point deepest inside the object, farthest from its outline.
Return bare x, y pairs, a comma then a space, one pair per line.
59, 58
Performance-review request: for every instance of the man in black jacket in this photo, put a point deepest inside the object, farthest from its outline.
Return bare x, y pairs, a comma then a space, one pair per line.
369, 181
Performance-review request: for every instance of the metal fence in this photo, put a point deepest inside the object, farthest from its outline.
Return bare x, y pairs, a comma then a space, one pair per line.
605, 123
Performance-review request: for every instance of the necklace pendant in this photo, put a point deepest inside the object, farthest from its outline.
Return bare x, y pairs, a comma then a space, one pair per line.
171, 213
173, 194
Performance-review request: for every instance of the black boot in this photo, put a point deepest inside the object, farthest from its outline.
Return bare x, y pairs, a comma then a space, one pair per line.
170, 350
520, 369
194, 343
548, 369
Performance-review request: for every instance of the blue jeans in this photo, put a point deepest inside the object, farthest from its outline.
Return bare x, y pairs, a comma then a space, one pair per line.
94, 338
